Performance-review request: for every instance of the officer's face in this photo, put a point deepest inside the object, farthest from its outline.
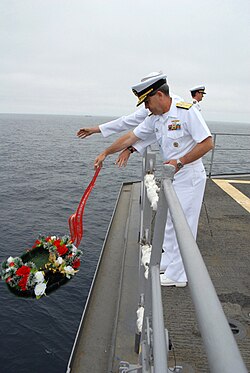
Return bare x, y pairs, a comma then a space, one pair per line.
200, 96
153, 103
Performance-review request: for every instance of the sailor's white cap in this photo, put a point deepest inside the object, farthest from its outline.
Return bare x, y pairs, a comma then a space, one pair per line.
198, 88
148, 86
154, 74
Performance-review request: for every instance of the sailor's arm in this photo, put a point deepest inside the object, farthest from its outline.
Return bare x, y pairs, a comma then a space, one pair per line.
123, 123
122, 143
197, 152
85, 132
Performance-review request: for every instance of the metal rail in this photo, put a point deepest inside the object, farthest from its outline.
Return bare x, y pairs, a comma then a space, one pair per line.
219, 154
221, 349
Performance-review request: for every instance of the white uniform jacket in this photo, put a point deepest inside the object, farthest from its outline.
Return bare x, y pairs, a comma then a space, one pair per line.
196, 105
129, 122
176, 131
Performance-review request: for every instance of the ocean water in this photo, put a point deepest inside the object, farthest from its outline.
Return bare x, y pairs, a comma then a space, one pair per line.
44, 171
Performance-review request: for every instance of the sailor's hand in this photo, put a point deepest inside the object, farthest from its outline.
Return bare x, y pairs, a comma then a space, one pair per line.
173, 162
99, 160
122, 160
85, 132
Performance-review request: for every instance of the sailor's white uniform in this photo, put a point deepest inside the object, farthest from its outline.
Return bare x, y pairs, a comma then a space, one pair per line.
196, 105
129, 122
177, 132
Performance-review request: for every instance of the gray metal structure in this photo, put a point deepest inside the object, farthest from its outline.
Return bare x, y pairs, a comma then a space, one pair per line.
152, 342
221, 349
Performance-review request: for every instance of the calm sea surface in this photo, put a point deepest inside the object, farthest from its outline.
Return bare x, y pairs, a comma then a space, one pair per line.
44, 171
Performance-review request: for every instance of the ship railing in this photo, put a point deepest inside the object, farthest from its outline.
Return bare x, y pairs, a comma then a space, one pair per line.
152, 342
231, 152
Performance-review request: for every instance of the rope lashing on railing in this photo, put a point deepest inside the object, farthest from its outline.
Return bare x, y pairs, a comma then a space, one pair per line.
139, 321
145, 258
75, 220
152, 190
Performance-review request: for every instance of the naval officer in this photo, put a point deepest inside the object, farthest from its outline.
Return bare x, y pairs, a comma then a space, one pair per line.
124, 123
197, 94
184, 138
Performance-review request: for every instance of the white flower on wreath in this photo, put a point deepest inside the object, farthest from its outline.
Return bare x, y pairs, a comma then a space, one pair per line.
10, 259
69, 271
40, 289
39, 276
59, 260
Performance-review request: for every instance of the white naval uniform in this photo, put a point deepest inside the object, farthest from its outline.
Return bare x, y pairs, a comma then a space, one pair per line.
129, 122
189, 182
196, 105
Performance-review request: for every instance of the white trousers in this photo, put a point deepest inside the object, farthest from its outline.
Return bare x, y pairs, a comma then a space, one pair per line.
189, 184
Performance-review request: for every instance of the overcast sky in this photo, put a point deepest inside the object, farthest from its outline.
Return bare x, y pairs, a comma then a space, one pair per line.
83, 56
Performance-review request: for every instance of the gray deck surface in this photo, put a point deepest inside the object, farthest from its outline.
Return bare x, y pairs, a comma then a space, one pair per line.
107, 332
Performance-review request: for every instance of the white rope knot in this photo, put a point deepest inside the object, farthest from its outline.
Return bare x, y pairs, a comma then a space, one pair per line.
145, 258
139, 322
152, 190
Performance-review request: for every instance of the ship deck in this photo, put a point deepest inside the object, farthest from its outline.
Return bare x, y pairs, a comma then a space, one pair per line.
107, 330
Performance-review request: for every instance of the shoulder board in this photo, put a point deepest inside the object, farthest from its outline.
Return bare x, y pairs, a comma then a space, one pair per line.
184, 105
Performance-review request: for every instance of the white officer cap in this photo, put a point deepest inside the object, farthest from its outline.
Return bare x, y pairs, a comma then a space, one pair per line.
152, 75
198, 88
148, 86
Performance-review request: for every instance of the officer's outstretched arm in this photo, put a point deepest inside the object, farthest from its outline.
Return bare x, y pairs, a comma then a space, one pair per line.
85, 132
122, 143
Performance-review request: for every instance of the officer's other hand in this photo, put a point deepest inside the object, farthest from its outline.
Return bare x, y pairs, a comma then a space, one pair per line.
85, 132
99, 160
122, 160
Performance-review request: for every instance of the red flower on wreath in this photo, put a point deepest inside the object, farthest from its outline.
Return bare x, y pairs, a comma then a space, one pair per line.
57, 243
62, 249
11, 264
37, 243
23, 271
76, 264
23, 282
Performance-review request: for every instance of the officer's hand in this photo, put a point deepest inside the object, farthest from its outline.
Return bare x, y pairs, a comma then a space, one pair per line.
122, 160
99, 160
85, 132
173, 162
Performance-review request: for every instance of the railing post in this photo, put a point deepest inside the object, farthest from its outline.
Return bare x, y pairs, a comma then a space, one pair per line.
158, 329
161, 218
146, 211
212, 157
153, 337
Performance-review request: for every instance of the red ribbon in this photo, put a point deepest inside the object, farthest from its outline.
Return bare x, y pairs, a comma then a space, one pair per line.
75, 220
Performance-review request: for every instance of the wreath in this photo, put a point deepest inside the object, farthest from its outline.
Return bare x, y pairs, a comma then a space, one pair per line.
51, 262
